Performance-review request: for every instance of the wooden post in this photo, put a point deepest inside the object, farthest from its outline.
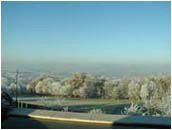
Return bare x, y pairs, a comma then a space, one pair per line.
21, 104
18, 104
17, 72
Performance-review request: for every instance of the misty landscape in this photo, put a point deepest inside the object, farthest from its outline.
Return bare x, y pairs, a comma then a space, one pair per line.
152, 89
95, 58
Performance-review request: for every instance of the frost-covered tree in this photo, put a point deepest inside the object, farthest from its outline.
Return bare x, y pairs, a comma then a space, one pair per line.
65, 90
111, 89
165, 105
88, 90
134, 88
38, 88
148, 90
31, 86
56, 86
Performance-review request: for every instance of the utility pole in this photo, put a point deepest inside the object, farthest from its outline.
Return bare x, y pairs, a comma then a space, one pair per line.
17, 73
16, 82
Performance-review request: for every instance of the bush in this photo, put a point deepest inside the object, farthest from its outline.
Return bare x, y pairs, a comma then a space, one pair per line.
31, 86
96, 111
134, 109
148, 91
134, 88
89, 90
165, 105
44, 86
143, 110
56, 86
154, 96
111, 89
85, 86
65, 90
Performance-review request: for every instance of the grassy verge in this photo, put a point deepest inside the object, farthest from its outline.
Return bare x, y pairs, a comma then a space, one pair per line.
108, 106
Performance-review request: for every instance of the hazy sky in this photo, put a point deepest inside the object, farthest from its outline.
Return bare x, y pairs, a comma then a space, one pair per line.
91, 32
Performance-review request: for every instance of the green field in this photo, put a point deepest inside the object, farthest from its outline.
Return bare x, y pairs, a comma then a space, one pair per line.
108, 106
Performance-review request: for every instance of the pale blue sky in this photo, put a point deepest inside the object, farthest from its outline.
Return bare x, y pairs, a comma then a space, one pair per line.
91, 32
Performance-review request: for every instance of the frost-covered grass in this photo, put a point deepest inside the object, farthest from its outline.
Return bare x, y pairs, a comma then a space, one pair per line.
108, 106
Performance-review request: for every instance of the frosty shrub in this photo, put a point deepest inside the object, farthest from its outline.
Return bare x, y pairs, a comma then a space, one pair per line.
96, 111
151, 94
134, 90
38, 88
143, 110
58, 89
95, 114
123, 89
154, 98
88, 90
134, 109
165, 105
56, 86
47, 86
65, 90
5, 85
31, 86
148, 90
9, 85
163, 81
4, 82
75, 83
85, 86
44, 86
111, 89
77, 80
76, 93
